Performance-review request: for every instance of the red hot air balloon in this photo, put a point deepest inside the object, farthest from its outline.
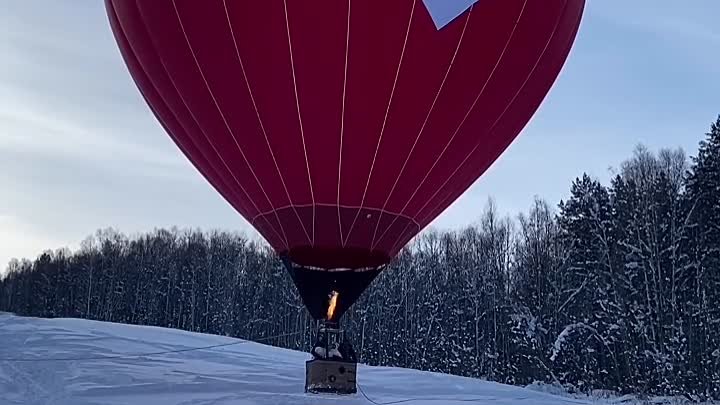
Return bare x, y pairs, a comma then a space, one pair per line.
338, 128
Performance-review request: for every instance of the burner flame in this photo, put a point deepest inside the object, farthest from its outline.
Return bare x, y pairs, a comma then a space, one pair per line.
332, 305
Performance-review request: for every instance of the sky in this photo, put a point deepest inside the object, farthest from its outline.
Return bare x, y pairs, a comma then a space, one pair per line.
80, 149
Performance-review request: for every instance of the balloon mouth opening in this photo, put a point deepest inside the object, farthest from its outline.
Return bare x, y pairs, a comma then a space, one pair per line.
337, 258
328, 294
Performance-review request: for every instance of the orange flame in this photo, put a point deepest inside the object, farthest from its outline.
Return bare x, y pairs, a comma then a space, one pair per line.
332, 305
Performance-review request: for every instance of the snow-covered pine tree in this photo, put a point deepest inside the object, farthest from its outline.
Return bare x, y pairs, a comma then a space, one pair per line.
588, 318
537, 285
650, 226
703, 199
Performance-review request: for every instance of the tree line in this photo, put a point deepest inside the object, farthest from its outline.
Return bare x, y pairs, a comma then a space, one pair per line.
617, 288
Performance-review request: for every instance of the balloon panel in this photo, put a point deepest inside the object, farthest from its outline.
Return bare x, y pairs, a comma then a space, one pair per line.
340, 129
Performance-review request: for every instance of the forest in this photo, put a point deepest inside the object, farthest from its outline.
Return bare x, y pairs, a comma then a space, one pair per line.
616, 288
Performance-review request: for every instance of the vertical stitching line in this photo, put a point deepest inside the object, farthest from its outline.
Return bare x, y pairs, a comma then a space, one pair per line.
472, 107
382, 130
257, 113
197, 64
342, 118
297, 105
427, 118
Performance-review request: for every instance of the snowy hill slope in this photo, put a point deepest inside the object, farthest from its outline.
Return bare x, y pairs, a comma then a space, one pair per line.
241, 374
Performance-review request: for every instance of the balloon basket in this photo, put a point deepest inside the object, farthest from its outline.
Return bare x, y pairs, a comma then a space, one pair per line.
330, 377
333, 368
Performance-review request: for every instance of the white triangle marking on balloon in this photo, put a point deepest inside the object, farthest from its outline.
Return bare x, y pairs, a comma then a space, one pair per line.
443, 12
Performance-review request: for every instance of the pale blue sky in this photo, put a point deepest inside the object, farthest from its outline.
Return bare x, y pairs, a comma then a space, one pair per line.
80, 150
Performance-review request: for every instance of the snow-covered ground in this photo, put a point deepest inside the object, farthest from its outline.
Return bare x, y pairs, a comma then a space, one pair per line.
64, 362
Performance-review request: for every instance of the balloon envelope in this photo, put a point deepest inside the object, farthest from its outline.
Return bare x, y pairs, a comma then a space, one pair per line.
340, 129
